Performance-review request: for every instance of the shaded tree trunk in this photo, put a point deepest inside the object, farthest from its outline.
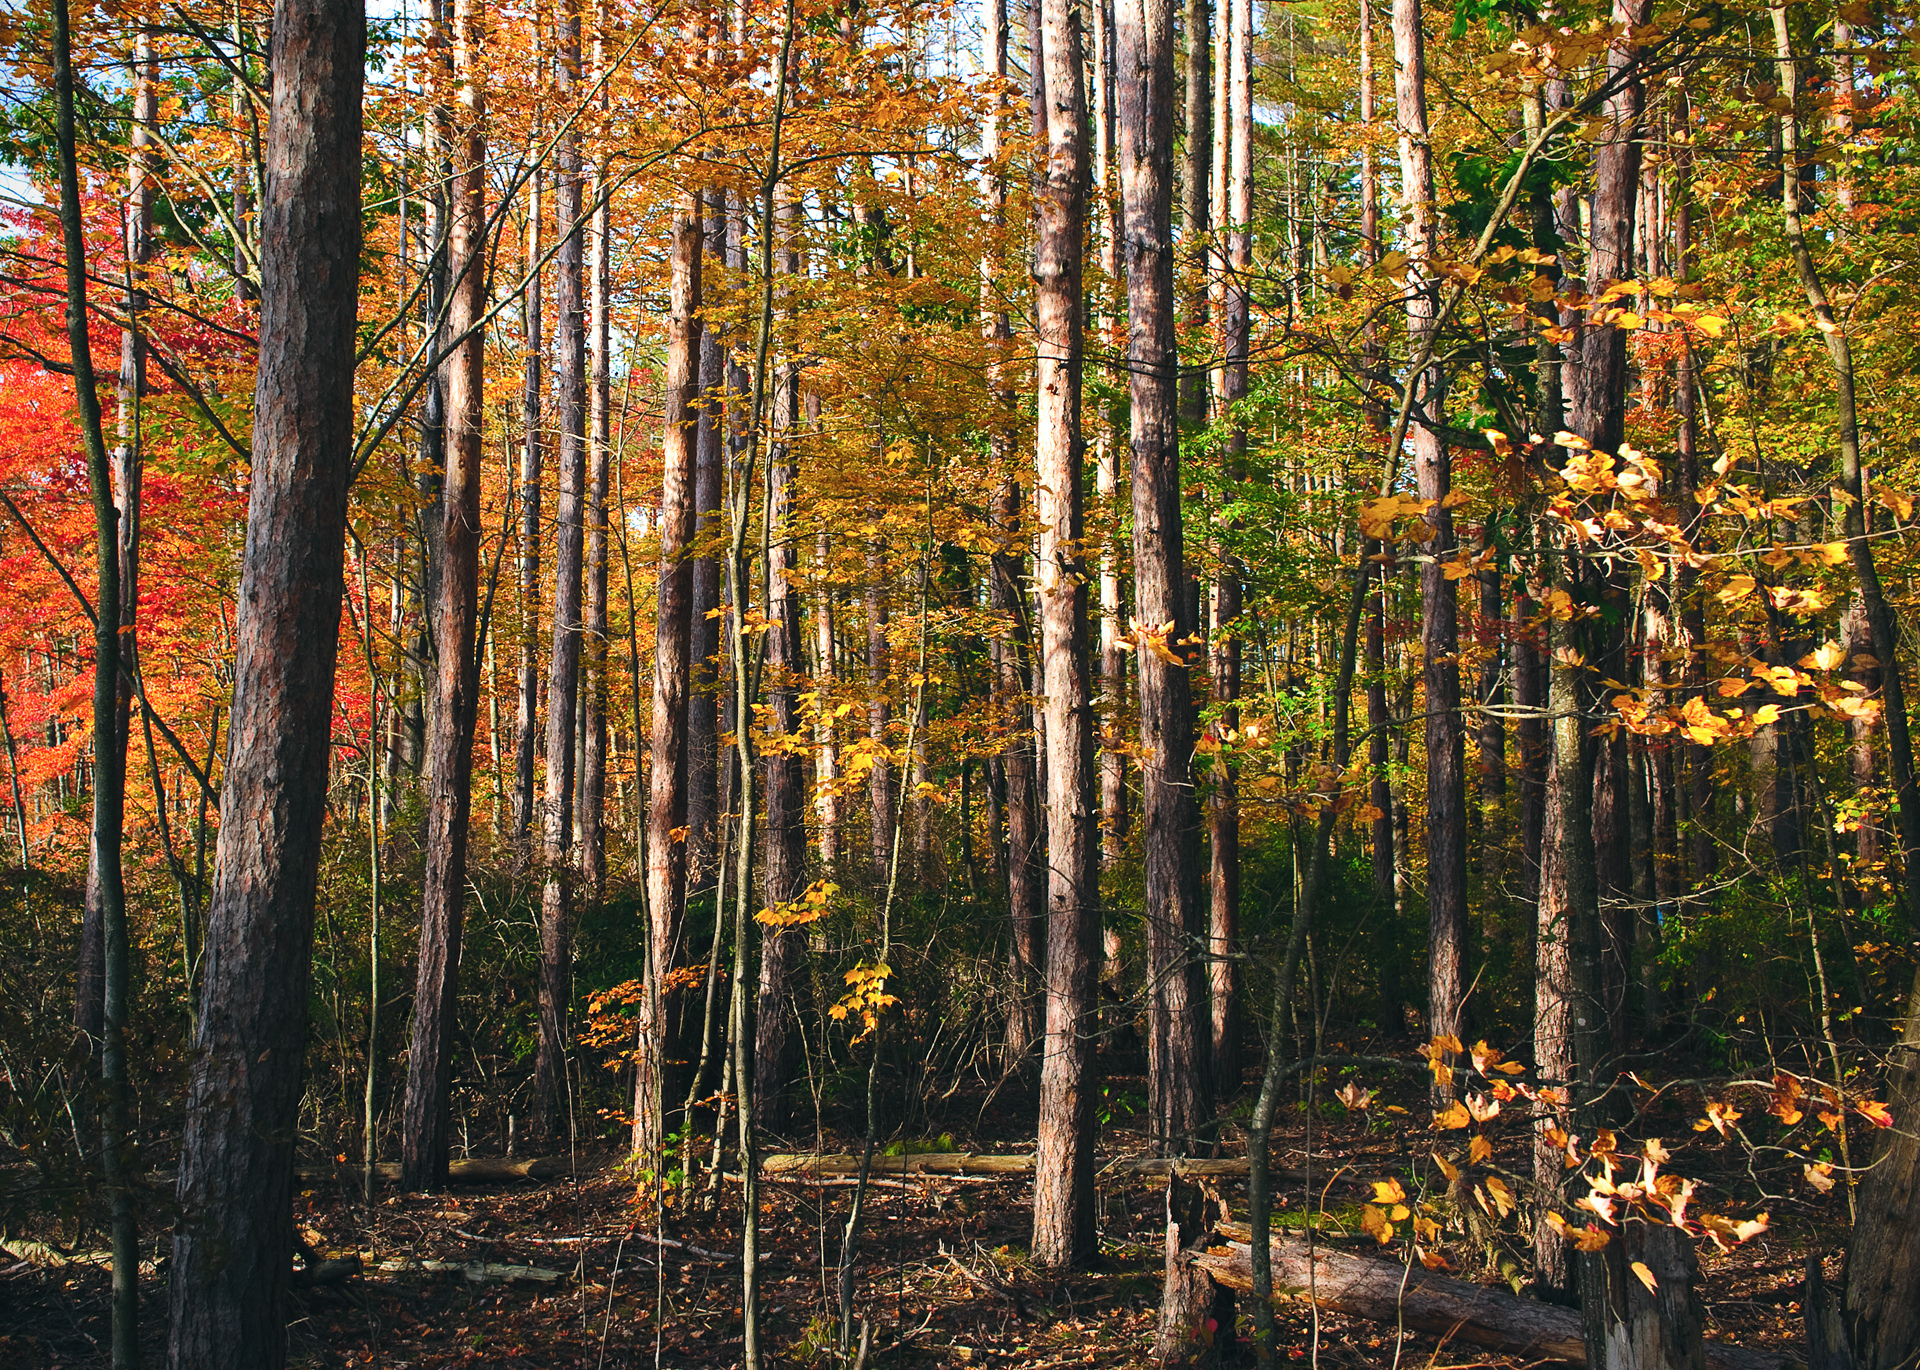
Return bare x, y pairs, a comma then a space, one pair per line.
593, 694
1177, 1065
527, 718
704, 762
563, 669
456, 684
784, 853
233, 1245
667, 784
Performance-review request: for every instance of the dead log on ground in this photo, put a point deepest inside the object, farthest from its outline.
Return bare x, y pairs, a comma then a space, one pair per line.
1372, 1288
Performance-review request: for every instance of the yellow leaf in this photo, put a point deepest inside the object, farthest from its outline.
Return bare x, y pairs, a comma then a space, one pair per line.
1737, 588
1710, 324
1455, 1117
1644, 1275
1374, 1223
1824, 657
1388, 1191
1447, 1168
1765, 714
1478, 1150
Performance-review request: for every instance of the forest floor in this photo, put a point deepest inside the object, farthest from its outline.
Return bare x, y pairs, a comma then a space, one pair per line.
941, 1274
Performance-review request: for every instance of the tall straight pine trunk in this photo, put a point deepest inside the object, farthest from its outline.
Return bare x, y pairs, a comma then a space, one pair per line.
667, 783
1177, 1065
1439, 606
233, 1242
563, 667
1063, 1217
456, 680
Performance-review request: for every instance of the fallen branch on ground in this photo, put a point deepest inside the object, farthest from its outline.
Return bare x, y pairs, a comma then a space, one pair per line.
1372, 1288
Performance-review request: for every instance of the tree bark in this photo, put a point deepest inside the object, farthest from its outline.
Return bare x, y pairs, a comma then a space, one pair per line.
1177, 1066
527, 719
233, 1246
1433, 471
563, 668
456, 684
1063, 1217
880, 778
784, 853
667, 784
704, 761
592, 823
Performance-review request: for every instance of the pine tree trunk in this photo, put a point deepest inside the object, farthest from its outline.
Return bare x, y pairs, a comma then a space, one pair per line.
1026, 877
827, 758
784, 853
550, 1089
1177, 1067
233, 1243
1433, 471
1063, 1216
704, 762
532, 451
593, 694
881, 798
667, 785
456, 684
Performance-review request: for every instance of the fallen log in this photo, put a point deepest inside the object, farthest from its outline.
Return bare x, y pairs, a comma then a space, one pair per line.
1386, 1291
474, 1272
916, 1163
471, 1171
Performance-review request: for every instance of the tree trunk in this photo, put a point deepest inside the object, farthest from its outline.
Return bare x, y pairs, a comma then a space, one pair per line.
704, 762
1196, 206
1433, 470
1063, 1216
785, 850
1177, 1074
827, 758
527, 720
550, 1090
233, 1244
667, 786
593, 695
456, 684
1026, 877
881, 802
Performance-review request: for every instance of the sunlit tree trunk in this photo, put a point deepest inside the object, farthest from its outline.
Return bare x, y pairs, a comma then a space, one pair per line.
456, 683
563, 669
233, 1239
881, 797
827, 758
1063, 1217
667, 785
1433, 472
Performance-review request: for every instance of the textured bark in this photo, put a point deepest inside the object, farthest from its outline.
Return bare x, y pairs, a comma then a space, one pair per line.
1177, 1064
704, 762
563, 667
1631, 1327
1383, 1291
784, 850
667, 784
233, 1245
591, 819
1861, 766
1530, 740
1017, 858
1196, 203
1433, 472
1026, 878
827, 756
1492, 695
456, 682
1566, 910
532, 457
126, 463
882, 802
1063, 1216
